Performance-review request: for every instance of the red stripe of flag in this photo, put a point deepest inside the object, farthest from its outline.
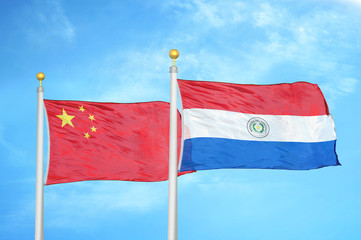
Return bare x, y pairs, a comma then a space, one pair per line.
300, 98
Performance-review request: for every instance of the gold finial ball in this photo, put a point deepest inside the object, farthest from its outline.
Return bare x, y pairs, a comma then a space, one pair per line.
173, 53
40, 76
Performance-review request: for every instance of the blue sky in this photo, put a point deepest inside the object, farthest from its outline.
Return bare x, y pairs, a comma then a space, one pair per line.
117, 51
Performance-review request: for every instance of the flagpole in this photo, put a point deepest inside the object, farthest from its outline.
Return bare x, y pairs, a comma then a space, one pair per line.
39, 197
173, 166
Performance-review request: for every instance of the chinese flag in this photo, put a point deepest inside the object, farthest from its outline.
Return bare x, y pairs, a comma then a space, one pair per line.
108, 141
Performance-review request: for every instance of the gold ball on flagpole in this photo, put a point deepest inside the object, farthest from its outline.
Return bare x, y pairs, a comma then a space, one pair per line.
40, 76
173, 53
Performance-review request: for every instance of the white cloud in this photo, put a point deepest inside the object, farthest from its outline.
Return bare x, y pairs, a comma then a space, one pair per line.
211, 13
338, 87
300, 41
218, 13
348, 85
211, 67
268, 16
304, 42
51, 22
355, 2
135, 75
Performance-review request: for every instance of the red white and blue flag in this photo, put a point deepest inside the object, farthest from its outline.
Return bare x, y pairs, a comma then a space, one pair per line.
281, 126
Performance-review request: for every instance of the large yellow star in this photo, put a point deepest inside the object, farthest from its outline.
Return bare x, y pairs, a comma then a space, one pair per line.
66, 119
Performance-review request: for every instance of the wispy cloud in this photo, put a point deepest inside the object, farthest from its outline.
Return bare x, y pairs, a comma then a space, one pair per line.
348, 85
268, 16
13, 152
83, 204
218, 13
48, 20
135, 75
211, 13
94, 200
306, 42
215, 186
339, 87
354, 2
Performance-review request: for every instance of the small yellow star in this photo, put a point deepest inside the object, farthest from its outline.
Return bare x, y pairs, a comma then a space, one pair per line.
66, 119
81, 108
86, 135
91, 117
93, 129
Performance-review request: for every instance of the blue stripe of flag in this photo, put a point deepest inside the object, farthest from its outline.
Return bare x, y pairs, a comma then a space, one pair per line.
215, 153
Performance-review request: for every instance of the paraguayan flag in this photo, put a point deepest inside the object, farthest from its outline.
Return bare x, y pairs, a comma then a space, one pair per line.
280, 126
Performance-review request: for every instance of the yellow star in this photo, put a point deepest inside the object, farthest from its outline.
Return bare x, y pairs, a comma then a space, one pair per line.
86, 135
66, 119
91, 117
93, 129
81, 108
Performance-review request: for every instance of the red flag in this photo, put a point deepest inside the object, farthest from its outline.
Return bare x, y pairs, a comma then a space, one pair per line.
108, 141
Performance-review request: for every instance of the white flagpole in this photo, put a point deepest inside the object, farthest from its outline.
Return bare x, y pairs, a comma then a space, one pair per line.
173, 166
39, 199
